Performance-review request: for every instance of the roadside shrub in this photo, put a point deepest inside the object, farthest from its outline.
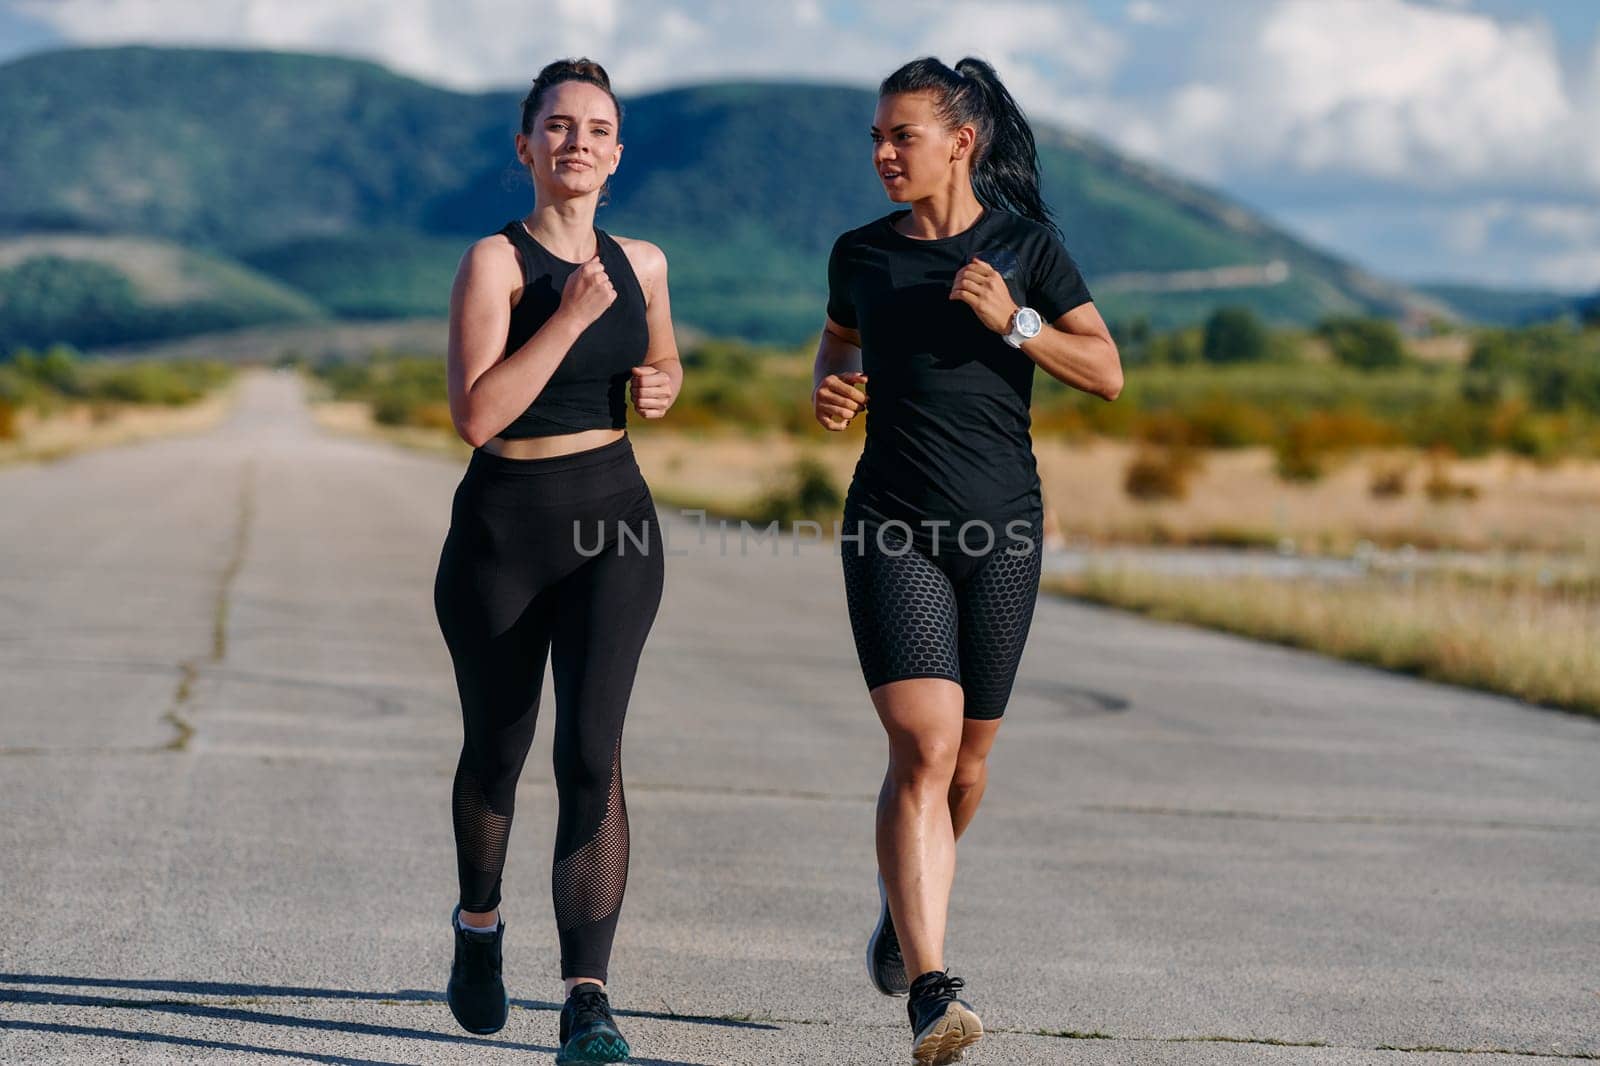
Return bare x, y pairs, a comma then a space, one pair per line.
1164, 429
1363, 343
1068, 422
805, 491
146, 383
1219, 421
433, 416
1440, 487
1457, 425
1309, 441
1160, 473
1234, 335
1388, 481
1298, 456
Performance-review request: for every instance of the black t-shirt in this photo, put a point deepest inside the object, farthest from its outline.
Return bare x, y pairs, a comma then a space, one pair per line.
947, 415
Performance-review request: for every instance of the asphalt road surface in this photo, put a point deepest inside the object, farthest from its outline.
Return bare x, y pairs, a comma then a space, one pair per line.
228, 727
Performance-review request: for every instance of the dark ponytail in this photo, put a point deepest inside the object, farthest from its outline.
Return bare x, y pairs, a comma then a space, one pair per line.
1005, 161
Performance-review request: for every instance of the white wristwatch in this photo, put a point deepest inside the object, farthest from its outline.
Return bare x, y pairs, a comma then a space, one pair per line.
1025, 324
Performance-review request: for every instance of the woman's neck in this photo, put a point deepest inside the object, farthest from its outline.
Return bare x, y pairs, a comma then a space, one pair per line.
944, 214
564, 227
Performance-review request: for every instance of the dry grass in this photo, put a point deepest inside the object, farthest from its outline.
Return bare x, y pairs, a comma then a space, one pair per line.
81, 427
1233, 496
1522, 638
354, 418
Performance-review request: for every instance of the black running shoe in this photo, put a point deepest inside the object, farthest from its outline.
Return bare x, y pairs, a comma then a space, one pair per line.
941, 1024
587, 1032
476, 995
885, 968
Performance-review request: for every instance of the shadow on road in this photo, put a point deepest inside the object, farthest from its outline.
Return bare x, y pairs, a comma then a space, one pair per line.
189, 1041
237, 1012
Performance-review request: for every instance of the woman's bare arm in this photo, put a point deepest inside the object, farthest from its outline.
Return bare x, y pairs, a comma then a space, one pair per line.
1077, 349
659, 379
834, 399
487, 393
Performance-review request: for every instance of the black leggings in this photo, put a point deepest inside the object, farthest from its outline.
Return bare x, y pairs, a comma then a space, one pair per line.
559, 557
925, 609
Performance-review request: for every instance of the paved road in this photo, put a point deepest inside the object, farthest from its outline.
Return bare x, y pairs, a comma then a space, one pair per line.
229, 726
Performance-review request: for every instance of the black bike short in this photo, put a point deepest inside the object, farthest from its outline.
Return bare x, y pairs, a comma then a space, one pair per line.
953, 602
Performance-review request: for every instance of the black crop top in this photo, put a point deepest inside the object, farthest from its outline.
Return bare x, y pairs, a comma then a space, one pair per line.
589, 389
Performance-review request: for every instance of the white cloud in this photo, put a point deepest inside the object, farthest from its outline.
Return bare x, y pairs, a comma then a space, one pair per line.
1047, 43
1493, 240
1394, 97
1569, 271
1148, 13
477, 44
1387, 89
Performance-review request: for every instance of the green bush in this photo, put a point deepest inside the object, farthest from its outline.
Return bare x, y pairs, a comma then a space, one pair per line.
150, 383
1234, 335
807, 491
403, 389
60, 375
1363, 343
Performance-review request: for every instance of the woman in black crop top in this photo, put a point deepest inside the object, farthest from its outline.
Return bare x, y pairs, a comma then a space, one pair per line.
942, 312
554, 550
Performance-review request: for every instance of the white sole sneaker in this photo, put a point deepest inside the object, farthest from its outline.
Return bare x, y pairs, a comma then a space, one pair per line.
943, 1040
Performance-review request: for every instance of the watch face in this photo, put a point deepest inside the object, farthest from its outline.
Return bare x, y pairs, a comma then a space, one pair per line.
1028, 322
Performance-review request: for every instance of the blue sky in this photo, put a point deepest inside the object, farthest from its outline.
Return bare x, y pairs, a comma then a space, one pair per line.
1425, 139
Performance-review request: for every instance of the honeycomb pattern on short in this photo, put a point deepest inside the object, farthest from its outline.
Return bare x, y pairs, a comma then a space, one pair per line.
996, 605
913, 615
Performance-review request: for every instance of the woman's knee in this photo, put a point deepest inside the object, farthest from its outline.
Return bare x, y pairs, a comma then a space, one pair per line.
970, 772
923, 761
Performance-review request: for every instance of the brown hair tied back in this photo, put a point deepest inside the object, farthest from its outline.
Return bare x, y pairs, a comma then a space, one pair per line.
561, 70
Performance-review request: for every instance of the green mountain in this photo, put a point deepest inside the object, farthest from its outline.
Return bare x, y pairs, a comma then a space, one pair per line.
91, 290
359, 189
1506, 307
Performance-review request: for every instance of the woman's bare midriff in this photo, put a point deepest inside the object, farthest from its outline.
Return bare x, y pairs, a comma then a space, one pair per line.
546, 447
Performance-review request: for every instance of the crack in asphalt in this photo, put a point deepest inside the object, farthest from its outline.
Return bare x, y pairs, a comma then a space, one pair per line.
190, 668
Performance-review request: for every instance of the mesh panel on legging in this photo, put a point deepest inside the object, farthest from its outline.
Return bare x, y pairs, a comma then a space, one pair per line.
481, 835
514, 592
588, 883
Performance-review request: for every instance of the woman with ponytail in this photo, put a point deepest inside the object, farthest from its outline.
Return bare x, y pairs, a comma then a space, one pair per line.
554, 552
939, 313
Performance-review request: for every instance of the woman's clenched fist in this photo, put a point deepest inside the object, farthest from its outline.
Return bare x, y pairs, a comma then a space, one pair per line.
836, 401
588, 292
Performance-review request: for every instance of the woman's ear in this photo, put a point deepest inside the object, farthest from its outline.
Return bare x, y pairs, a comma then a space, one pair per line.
965, 137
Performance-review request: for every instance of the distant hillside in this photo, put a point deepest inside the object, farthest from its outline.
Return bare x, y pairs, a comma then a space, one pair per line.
1504, 307
360, 188
92, 290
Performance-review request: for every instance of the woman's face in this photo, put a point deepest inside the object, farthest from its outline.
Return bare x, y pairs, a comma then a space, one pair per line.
911, 150
572, 148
